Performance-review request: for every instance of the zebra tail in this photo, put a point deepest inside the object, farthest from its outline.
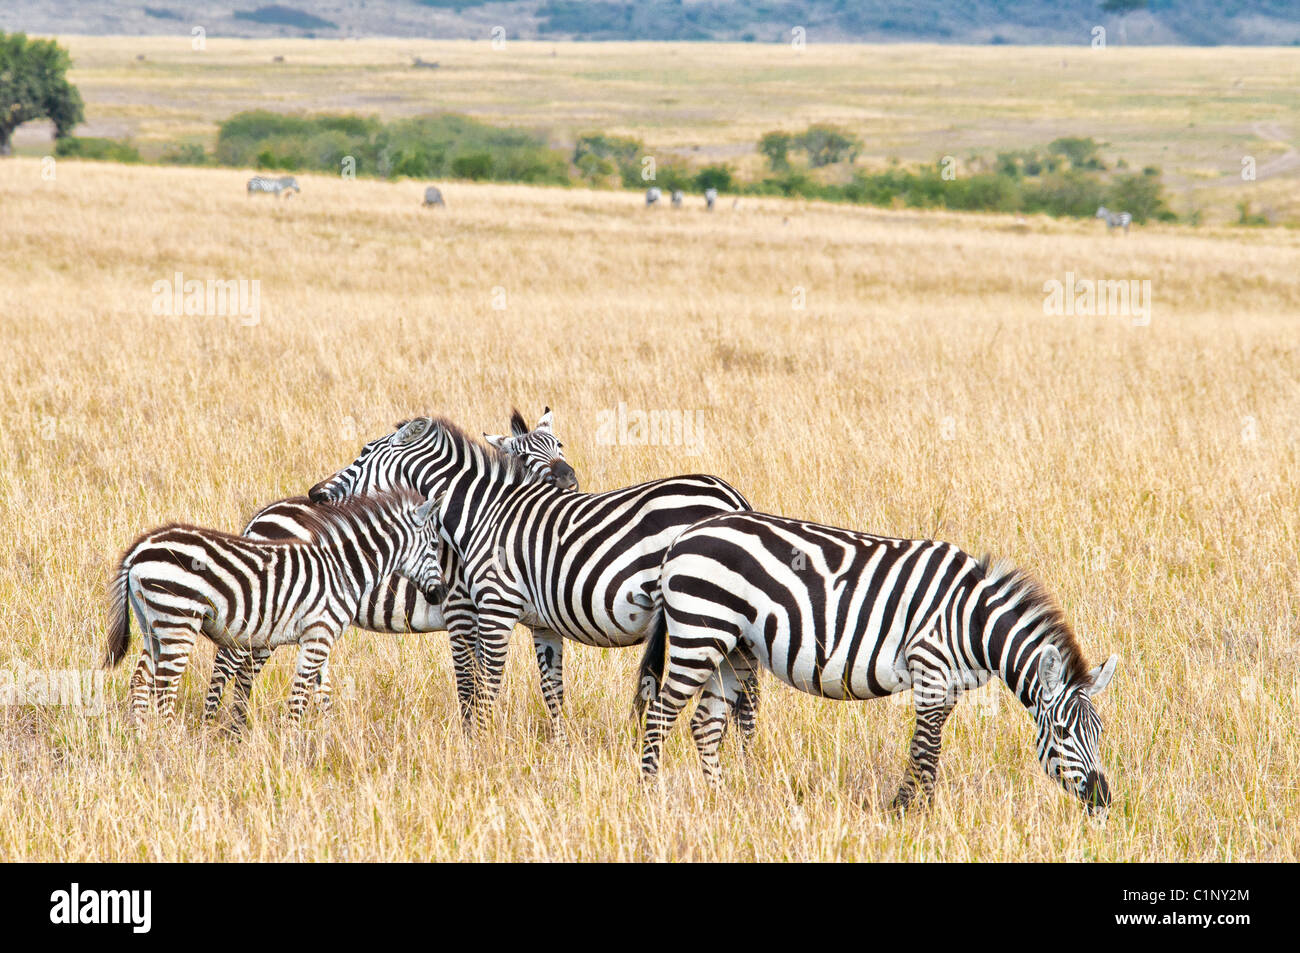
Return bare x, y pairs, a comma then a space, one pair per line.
650, 673
119, 626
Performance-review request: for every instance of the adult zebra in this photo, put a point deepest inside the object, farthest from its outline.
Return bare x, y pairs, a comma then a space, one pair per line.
1114, 220
710, 197
581, 566
261, 183
433, 196
180, 581
396, 606
678, 198
851, 616
652, 195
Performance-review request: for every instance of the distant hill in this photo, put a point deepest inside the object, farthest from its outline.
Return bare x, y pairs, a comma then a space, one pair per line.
1163, 22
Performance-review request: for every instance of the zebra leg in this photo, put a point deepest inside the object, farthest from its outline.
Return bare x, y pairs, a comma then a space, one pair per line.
493, 644
934, 703
252, 664
462, 628
324, 694
550, 667
175, 643
741, 681
709, 725
313, 652
224, 666
691, 662
141, 689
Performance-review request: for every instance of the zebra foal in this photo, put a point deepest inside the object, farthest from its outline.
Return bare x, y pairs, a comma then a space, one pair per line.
850, 616
254, 595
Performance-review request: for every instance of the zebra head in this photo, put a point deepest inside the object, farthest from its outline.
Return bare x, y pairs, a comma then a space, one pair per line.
1069, 728
422, 565
383, 464
541, 452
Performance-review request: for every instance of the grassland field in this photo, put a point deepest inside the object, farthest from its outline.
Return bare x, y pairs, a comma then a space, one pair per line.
1147, 474
1194, 113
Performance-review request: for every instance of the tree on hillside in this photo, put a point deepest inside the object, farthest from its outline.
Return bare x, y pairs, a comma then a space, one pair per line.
1122, 8
32, 86
827, 145
776, 146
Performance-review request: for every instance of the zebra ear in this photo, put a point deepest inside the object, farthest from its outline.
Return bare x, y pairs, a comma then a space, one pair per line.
544, 425
411, 430
1050, 667
518, 426
498, 442
1100, 676
427, 509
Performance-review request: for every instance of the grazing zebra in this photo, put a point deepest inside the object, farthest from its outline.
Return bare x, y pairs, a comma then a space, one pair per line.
433, 196
710, 196
677, 198
254, 595
850, 616
1115, 220
652, 195
582, 566
396, 606
260, 183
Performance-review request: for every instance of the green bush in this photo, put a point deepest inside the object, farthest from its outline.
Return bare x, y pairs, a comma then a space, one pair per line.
475, 165
111, 150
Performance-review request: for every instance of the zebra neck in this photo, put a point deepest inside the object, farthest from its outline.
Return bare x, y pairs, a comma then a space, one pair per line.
1012, 646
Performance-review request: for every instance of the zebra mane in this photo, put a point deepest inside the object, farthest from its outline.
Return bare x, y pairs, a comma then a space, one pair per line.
322, 517
1034, 602
513, 467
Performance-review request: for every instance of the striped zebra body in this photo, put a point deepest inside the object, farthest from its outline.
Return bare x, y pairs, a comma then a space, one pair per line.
652, 195
581, 566
1115, 220
678, 197
261, 183
254, 595
710, 197
433, 196
397, 606
847, 615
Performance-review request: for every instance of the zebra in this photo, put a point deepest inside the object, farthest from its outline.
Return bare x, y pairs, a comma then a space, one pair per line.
710, 196
261, 183
652, 195
180, 581
849, 616
396, 606
433, 196
1114, 220
677, 198
581, 566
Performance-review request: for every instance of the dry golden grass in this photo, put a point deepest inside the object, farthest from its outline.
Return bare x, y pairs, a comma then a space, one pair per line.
1147, 474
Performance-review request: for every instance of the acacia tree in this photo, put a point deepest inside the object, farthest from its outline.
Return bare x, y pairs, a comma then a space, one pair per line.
33, 86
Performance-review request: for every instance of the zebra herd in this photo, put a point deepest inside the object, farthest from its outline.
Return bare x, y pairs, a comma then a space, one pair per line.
678, 198
430, 529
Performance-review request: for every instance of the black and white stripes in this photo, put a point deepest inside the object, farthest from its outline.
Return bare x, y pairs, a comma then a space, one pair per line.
1114, 220
847, 615
273, 186
254, 595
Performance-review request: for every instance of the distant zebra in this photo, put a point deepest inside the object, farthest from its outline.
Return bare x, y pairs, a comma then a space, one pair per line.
582, 566
1115, 220
260, 183
677, 198
710, 196
432, 196
850, 616
652, 195
397, 605
254, 595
